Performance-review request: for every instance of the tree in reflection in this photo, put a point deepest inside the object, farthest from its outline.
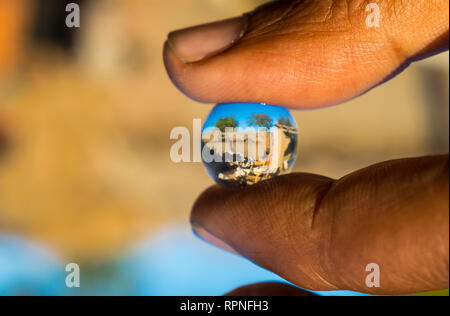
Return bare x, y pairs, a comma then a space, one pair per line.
285, 121
260, 120
226, 122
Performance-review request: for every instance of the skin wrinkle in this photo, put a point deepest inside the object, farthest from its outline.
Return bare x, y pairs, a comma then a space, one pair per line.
327, 68
443, 250
423, 279
347, 10
308, 11
289, 226
259, 29
325, 262
312, 271
320, 198
295, 10
330, 12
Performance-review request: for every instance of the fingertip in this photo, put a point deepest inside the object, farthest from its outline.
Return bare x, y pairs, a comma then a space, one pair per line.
206, 236
206, 220
202, 206
197, 43
173, 65
199, 83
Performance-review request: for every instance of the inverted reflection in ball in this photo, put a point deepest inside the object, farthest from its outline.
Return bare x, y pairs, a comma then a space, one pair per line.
244, 143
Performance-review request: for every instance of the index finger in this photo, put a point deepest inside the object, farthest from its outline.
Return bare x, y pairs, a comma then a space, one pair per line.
322, 234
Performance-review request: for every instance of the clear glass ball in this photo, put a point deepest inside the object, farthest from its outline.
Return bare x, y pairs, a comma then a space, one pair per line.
245, 143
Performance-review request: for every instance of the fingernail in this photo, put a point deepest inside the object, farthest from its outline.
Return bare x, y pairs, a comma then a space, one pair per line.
209, 238
198, 42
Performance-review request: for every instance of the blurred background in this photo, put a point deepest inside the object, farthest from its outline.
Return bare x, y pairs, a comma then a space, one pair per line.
85, 171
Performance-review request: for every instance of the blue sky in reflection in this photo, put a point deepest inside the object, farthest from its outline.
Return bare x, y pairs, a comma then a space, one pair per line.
242, 112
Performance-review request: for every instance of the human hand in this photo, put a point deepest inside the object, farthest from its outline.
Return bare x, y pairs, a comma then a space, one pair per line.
316, 232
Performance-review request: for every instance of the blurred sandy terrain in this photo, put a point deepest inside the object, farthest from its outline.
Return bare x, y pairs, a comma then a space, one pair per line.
14, 18
88, 170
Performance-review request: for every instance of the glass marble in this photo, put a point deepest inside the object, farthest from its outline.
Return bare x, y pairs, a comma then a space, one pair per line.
245, 143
